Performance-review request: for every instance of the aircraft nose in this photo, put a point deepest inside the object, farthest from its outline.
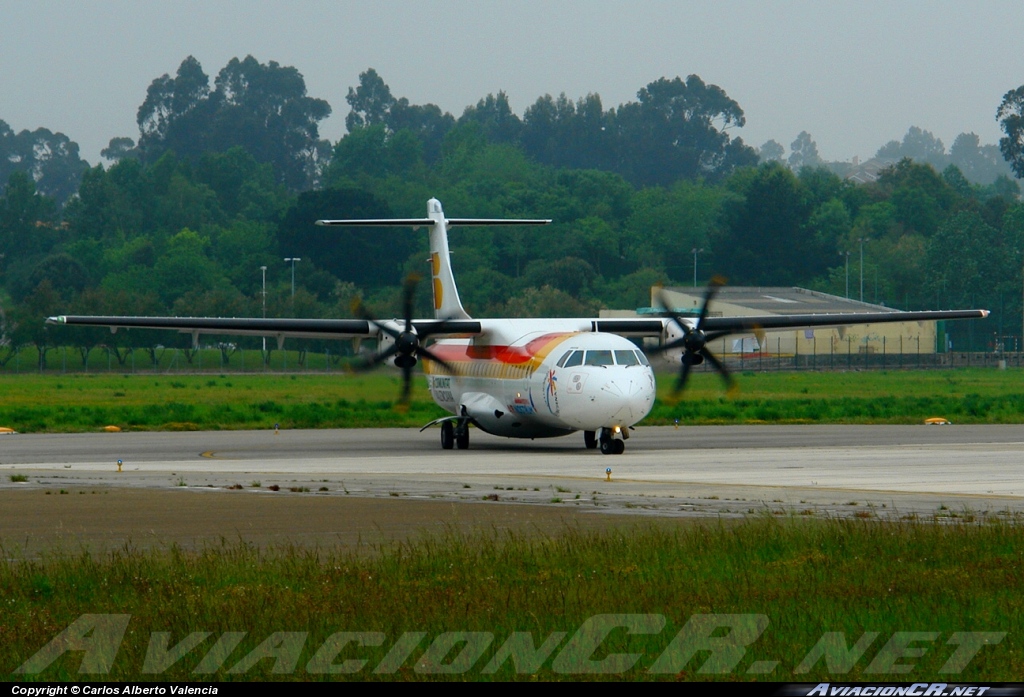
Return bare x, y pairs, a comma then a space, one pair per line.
624, 399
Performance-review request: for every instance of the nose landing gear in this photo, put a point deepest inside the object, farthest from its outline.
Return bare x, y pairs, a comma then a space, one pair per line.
609, 444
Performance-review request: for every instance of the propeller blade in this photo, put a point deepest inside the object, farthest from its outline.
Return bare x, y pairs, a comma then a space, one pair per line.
407, 302
684, 373
359, 309
371, 363
720, 367
406, 382
716, 283
711, 336
427, 353
671, 315
669, 346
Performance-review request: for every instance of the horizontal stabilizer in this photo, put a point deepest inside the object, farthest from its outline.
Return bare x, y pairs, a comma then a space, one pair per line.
417, 222
381, 222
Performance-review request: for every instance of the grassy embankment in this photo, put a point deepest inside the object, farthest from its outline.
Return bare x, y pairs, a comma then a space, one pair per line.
58, 403
807, 578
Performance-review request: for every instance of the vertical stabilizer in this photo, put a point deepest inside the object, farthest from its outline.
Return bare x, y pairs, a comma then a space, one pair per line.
446, 296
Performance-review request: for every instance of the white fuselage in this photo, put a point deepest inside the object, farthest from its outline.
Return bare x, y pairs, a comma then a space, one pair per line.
534, 379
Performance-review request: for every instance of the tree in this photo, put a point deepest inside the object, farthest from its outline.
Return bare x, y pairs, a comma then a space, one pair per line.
184, 267
27, 220
1010, 116
119, 148
263, 108
374, 107
763, 228
562, 133
771, 151
803, 152
679, 129
370, 101
369, 257
918, 145
49, 159
495, 116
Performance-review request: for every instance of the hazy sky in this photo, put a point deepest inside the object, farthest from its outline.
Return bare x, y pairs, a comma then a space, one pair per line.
853, 74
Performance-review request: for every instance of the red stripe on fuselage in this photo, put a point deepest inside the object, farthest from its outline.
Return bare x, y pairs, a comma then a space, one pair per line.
537, 349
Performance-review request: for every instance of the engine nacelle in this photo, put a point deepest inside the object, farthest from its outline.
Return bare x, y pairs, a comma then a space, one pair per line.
672, 333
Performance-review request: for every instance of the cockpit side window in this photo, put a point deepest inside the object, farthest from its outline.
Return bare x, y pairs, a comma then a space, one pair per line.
561, 361
642, 357
626, 358
599, 358
575, 358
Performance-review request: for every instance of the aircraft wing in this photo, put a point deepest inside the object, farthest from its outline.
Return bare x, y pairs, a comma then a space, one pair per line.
735, 325
654, 326
279, 328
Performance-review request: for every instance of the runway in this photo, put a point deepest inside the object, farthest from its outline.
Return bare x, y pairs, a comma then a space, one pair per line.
863, 471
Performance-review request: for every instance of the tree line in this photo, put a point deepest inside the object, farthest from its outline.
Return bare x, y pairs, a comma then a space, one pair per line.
226, 179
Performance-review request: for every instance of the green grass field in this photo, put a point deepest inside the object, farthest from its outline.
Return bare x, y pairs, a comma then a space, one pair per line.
897, 599
85, 402
802, 600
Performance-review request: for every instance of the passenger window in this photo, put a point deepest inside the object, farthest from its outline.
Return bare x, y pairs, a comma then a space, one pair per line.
599, 358
642, 357
561, 361
575, 359
626, 358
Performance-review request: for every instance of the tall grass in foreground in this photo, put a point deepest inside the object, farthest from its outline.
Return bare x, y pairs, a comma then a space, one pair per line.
69, 403
807, 577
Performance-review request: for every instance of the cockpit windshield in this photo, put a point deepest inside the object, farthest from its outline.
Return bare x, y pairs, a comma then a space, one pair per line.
600, 358
626, 358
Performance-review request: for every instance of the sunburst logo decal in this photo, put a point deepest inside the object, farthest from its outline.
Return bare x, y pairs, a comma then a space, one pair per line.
551, 392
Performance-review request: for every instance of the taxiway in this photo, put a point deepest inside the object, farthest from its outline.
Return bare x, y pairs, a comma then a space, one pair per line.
884, 471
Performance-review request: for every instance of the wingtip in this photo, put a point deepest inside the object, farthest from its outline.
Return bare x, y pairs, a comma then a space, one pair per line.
985, 313
56, 320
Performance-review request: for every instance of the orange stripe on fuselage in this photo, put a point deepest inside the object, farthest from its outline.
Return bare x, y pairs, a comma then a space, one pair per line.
532, 354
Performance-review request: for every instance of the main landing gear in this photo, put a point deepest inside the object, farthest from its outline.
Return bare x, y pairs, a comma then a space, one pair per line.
609, 444
453, 435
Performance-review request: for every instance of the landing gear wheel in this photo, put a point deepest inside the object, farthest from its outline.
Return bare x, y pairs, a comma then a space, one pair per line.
607, 447
620, 447
447, 435
590, 439
462, 437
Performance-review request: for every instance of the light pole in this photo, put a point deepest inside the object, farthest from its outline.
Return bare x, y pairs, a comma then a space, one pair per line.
847, 255
861, 240
695, 253
263, 269
293, 260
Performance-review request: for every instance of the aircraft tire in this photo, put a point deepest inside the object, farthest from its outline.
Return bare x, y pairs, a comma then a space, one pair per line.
608, 447
590, 439
447, 435
462, 438
620, 447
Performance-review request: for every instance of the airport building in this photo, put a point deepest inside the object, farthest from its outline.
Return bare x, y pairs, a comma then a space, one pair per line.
857, 339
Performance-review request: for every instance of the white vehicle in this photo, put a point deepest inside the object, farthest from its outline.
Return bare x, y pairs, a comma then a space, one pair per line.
519, 378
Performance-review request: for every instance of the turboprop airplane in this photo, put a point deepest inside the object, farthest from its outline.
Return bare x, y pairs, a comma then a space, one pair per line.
519, 378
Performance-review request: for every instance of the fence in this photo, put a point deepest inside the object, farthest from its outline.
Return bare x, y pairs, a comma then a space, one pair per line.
237, 360
229, 359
